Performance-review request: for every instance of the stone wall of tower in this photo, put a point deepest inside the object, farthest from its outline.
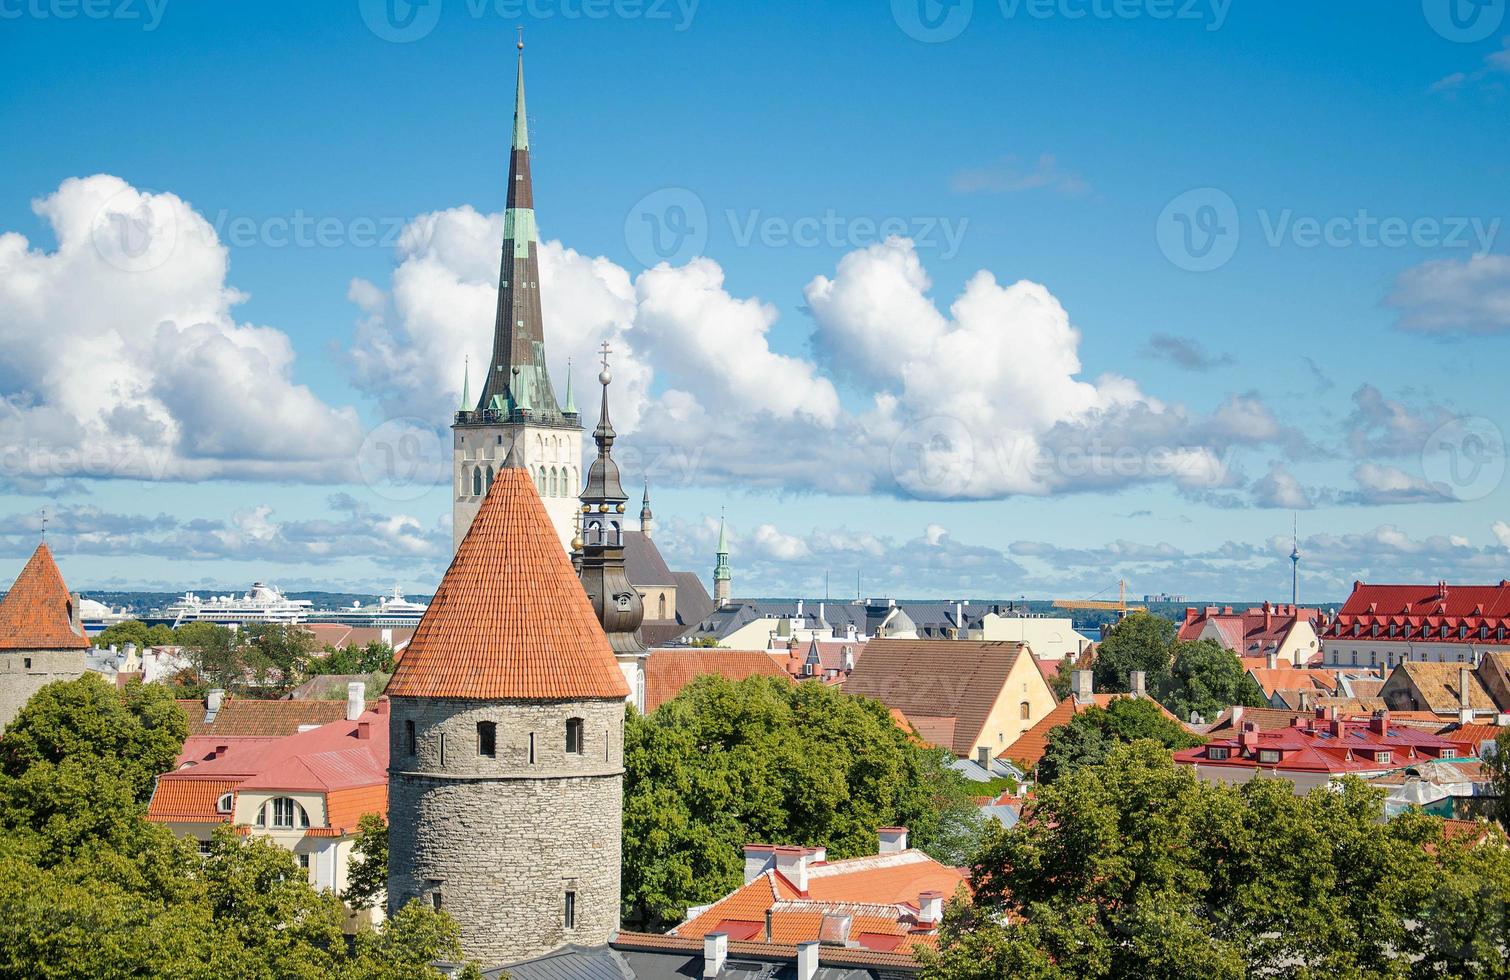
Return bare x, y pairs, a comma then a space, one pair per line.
499, 841
24, 672
545, 450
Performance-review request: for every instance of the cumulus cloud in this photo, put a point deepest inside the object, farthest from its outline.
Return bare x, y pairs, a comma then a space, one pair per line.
1383, 484
1450, 297
1383, 427
124, 359
1280, 488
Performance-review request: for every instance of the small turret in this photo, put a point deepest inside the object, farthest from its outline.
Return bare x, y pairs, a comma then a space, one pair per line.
721, 573
647, 520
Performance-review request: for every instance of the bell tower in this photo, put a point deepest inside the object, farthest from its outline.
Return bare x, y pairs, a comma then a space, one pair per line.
517, 409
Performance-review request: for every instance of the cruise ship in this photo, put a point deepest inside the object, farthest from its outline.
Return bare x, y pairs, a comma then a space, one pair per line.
391, 610
263, 604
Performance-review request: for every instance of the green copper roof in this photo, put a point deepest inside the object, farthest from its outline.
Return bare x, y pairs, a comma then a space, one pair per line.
723, 538
521, 127
571, 403
466, 385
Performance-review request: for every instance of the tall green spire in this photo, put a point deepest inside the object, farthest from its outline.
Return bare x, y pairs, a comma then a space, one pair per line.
521, 127
723, 537
571, 403
466, 385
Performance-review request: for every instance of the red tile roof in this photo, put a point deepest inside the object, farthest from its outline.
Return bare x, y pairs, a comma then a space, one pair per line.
1249, 632
1323, 745
190, 799
1291, 679
1439, 613
37, 611
668, 671
510, 618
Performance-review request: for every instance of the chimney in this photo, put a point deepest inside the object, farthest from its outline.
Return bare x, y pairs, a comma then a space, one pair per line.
1237, 717
715, 952
1247, 739
807, 960
799, 608
356, 700
1465, 705
1191, 614
983, 756
212, 699
386, 636
893, 840
1272, 661
1135, 684
758, 859
793, 862
1080, 685
959, 615
770, 923
364, 730
930, 908
1379, 723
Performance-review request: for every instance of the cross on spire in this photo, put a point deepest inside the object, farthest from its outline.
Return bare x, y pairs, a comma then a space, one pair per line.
605, 351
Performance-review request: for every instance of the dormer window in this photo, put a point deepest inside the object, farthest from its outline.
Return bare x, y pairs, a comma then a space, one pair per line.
1268, 756
1217, 752
223, 805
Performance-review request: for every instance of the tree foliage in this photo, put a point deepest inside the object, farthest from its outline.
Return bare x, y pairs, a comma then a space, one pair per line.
374, 658
1499, 769
367, 875
90, 888
1134, 868
1141, 641
273, 657
1091, 735
727, 763
1205, 678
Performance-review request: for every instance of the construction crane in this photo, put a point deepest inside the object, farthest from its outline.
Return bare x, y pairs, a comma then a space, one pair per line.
1120, 607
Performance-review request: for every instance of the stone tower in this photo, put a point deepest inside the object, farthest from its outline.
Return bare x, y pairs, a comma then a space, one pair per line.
721, 573
618, 604
517, 409
506, 769
41, 636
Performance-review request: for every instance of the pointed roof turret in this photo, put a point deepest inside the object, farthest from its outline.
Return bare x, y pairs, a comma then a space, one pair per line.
603, 486
645, 501
509, 619
723, 535
571, 401
517, 370
466, 384
37, 612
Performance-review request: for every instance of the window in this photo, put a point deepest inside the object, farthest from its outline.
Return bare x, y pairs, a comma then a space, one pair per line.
435, 899
261, 820
1025, 711
476, 481
661, 607
1217, 752
532, 748
204, 848
442, 742
409, 743
1383, 756
1268, 755
223, 805
304, 861
487, 739
490, 477
26, 662
288, 814
569, 912
574, 736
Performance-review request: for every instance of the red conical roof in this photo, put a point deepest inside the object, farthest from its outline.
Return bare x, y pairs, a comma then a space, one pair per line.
37, 612
510, 619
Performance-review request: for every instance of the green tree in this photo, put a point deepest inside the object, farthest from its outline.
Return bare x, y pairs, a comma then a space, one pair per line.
126, 631
1499, 768
1141, 641
367, 875
1091, 735
216, 654
1206, 678
1135, 868
161, 636
374, 658
763, 759
278, 652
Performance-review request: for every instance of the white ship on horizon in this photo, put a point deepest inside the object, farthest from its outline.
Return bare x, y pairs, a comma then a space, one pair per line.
263, 604
390, 610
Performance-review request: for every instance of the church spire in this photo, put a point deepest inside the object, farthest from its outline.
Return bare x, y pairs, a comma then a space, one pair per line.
618, 604
517, 381
722, 575
466, 384
647, 520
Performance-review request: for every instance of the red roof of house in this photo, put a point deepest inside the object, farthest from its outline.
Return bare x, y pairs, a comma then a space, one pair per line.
668, 671
251, 717
1323, 745
1438, 612
37, 611
510, 618
1250, 632
1291, 679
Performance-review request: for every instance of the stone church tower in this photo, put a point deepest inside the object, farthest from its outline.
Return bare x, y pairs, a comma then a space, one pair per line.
517, 409
41, 636
507, 743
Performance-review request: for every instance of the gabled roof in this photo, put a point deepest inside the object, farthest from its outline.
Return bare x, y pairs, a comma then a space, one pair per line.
668, 671
693, 604
643, 562
1291, 679
510, 618
1438, 685
240, 717
37, 611
933, 681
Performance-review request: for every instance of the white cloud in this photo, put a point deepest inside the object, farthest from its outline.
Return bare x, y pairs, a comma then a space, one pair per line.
1280, 488
1501, 533
123, 357
1446, 296
772, 543
1382, 484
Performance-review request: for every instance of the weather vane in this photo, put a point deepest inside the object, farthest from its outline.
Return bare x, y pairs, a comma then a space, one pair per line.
43, 512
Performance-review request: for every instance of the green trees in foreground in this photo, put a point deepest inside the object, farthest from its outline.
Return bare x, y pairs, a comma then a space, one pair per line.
90, 888
724, 764
1134, 868
1091, 735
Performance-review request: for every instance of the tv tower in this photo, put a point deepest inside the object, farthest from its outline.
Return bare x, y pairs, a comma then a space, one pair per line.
1295, 565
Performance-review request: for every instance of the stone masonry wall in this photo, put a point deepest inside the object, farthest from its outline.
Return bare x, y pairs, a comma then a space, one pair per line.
500, 840
19, 681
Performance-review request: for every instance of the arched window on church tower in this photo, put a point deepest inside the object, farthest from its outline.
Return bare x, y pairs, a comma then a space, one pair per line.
661, 607
490, 477
477, 481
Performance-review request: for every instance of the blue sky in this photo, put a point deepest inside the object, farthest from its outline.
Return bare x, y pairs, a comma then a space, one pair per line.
1038, 144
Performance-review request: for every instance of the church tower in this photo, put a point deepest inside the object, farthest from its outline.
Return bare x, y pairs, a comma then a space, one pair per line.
517, 408
618, 604
42, 638
721, 574
506, 741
